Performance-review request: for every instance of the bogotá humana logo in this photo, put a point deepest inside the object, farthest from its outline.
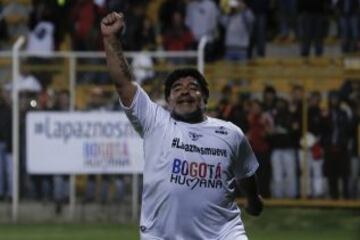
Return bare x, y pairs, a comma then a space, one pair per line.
194, 174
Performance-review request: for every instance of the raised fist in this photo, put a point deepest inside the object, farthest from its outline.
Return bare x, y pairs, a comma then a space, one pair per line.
112, 24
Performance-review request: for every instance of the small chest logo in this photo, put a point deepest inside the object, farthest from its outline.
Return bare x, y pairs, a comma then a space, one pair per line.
194, 136
221, 130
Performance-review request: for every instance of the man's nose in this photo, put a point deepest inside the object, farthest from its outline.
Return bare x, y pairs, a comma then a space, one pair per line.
184, 91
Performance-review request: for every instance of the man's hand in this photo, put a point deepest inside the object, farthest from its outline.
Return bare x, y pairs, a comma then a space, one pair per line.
254, 206
112, 24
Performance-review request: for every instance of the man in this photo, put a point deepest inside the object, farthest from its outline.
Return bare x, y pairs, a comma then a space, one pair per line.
193, 163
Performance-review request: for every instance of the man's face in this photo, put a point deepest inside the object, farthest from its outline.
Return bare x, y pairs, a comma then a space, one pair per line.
186, 97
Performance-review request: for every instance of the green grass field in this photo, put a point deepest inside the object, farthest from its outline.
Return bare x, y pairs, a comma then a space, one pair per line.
275, 223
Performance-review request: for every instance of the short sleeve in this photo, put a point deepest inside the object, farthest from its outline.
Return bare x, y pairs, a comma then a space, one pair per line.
244, 162
143, 113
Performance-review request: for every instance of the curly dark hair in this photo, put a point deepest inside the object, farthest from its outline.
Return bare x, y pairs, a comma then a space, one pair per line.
186, 72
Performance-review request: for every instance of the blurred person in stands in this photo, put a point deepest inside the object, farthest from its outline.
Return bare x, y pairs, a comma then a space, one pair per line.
84, 15
42, 183
117, 6
286, 23
355, 153
296, 111
144, 36
224, 105
30, 187
240, 110
83, 18
260, 8
4, 34
96, 102
202, 17
188, 192
348, 11
41, 39
335, 139
283, 161
5, 146
52, 13
313, 20
233, 111
61, 182
136, 15
177, 37
16, 16
238, 25
144, 40
260, 125
167, 11
315, 158
269, 98
27, 81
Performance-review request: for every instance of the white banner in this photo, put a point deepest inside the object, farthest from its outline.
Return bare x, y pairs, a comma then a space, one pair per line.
82, 142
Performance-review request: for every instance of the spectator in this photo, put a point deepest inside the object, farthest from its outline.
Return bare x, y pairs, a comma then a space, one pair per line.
97, 102
296, 110
238, 28
312, 22
202, 17
4, 35
348, 11
314, 155
335, 140
354, 153
43, 184
143, 66
134, 24
26, 82
51, 12
16, 16
166, 13
40, 40
117, 6
61, 182
177, 37
283, 161
5, 147
30, 187
269, 99
240, 110
144, 36
260, 8
260, 124
224, 107
83, 18
286, 19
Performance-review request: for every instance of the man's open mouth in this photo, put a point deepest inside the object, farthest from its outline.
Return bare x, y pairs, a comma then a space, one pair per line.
186, 101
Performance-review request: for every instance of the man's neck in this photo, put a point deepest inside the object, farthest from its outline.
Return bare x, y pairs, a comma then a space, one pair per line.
195, 117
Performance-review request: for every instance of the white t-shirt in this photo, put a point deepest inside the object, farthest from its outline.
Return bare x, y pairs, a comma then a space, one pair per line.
189, 174
41, 39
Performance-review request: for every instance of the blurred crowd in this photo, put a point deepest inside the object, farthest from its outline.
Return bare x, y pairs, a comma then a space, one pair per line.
279, 126
283, 130
236, 29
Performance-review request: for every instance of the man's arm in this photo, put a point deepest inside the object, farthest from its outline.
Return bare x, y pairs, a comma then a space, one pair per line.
254, 204
120, 72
